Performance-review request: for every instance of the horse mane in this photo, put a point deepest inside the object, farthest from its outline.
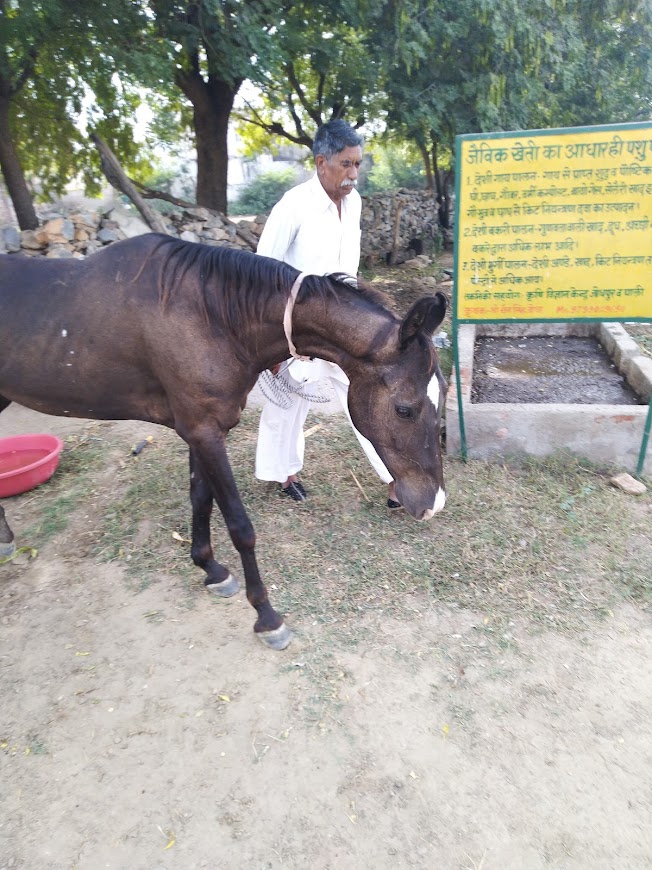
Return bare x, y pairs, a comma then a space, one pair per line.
224, 284
234, 287
365, 289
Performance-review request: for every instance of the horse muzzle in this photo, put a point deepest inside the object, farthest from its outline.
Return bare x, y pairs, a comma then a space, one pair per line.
440, 501
415, 506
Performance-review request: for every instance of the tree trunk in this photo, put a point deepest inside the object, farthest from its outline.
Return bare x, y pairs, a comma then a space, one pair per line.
13, 175
428, 166
117, 178
212, 102
443, 196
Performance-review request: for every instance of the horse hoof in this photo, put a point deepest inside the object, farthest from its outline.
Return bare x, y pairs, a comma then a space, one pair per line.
278, 638
226, 588
7, 550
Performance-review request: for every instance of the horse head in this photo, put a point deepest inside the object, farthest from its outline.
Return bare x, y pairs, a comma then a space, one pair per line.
396, 401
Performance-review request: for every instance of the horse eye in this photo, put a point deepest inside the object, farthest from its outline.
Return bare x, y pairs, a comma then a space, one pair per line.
403, 412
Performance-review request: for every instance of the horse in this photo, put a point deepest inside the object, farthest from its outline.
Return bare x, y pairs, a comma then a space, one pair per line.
166, 331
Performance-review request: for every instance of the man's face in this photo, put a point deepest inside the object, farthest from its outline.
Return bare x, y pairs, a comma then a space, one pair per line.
339, 175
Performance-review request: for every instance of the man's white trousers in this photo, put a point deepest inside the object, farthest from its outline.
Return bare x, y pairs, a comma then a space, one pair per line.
281, 442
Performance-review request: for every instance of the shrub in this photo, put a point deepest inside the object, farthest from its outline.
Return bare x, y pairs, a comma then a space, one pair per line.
264, 192
394, 167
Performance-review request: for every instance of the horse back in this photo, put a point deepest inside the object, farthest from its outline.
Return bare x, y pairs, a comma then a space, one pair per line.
89, 338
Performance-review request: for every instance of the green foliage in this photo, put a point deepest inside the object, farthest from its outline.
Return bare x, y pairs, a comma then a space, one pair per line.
255, 140
606, 76
394, 166
178, 181
264, 191
220, 39
425, 70
490, 65
319, 69
67, 67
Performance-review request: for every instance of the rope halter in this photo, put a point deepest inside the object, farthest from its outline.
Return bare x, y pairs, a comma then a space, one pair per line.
287, 316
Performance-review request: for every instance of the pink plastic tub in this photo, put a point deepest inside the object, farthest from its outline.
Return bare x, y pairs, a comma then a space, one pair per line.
27, 461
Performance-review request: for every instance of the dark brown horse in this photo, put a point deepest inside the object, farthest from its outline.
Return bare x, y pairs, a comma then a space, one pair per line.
175, 333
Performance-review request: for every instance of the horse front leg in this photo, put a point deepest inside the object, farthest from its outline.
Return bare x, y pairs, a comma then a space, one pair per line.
211, 467
218, 578
7, 543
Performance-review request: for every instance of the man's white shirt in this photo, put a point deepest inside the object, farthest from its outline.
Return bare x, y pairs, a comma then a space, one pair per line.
305, 230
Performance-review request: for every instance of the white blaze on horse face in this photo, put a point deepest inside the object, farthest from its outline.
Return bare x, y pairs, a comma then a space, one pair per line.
440, 501
434, 391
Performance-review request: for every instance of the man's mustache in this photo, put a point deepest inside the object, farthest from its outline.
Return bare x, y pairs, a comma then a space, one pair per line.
349, 183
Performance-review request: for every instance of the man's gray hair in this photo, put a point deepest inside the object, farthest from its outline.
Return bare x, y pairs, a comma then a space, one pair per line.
335, 136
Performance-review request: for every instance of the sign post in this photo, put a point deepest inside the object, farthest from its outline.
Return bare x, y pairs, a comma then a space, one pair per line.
553, 225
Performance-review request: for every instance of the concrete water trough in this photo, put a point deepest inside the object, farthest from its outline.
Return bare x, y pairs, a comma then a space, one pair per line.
601, 432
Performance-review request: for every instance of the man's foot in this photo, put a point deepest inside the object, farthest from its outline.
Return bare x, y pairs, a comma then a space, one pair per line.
293, 491
392, 502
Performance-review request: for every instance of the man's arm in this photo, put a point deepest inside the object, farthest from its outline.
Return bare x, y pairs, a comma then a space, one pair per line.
278, 233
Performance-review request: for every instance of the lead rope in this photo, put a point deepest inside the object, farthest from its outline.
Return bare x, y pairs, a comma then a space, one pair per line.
287, 317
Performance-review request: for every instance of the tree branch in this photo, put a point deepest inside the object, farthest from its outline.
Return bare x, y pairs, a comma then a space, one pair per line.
307, 105
27, 71
275, 129
295, 117
150, 193
117, 178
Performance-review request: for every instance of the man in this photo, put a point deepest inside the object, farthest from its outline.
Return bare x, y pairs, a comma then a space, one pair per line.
315, 227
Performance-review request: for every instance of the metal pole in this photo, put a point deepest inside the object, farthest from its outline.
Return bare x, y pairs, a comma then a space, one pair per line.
456, 354
458, 384
646, 438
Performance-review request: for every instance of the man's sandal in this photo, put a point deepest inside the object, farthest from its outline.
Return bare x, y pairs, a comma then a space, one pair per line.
294, 492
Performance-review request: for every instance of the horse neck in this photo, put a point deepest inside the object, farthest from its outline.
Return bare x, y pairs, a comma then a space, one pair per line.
341, 329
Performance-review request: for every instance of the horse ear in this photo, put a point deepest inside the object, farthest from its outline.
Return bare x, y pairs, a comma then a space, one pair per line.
423, 318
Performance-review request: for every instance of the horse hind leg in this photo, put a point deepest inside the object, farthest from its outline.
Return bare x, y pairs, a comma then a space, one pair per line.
7, 543
218, 578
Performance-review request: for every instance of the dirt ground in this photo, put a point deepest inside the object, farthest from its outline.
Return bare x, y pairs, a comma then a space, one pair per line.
146, 728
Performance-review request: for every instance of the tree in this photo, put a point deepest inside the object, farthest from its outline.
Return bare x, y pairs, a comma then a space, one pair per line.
489, 65
53, 54
214, 46
319, 70
605, 76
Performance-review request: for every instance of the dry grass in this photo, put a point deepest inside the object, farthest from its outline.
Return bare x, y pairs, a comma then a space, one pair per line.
642, 334
549, 541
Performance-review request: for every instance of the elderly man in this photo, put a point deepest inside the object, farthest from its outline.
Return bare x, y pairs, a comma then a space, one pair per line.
315, 227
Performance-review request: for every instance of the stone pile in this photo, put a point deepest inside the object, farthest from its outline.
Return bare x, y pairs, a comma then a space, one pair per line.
79, 233
199, 224
62, 235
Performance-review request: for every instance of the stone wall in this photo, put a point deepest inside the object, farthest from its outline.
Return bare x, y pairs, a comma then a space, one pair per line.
404, 223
